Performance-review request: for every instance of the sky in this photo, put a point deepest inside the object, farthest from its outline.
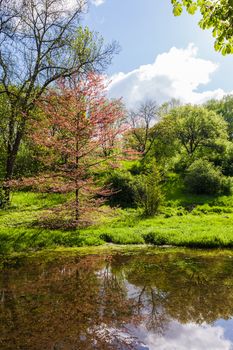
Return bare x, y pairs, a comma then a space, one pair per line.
162, 56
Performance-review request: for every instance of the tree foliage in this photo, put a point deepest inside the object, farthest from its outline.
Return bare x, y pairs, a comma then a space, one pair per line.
223, 107
77, 135
194, 128
215, 15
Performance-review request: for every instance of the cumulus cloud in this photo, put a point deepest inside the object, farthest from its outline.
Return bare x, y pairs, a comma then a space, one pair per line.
177, 73
98, 2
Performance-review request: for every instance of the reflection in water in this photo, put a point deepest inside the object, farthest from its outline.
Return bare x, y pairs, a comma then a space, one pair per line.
190, 336
163, 301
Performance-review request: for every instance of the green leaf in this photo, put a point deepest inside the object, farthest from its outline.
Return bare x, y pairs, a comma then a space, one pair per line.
215, 33
217, 47
224, 51
177, 10
192, 9
228, 49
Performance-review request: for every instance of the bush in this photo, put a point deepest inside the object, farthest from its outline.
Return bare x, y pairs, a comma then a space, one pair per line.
203, 178
181, 164
136, 191
226, 187
125, 189
149, 192
227, 162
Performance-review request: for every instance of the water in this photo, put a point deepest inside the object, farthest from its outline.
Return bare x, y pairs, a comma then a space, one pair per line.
155, 299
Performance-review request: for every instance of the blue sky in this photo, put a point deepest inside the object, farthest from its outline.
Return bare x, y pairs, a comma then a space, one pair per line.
146, 29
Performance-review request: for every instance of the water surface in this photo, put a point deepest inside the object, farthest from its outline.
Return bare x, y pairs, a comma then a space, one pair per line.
151, 299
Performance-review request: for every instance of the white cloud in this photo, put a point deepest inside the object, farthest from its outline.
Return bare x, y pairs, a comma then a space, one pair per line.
177, 73
62, 6
98, 2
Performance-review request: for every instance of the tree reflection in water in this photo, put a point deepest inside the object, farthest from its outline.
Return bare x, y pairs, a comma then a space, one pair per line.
94, 302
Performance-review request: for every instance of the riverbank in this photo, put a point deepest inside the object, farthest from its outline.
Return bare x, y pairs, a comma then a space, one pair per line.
197, 222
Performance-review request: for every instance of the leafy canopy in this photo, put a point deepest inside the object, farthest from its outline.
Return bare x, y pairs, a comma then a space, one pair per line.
223, 107
194, 128
216, 15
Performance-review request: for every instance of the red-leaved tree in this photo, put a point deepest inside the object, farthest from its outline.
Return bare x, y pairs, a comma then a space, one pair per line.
81, 129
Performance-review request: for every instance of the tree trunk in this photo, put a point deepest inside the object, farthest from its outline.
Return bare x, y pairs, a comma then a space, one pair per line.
10, 164
77, 214
8, 177
77, 205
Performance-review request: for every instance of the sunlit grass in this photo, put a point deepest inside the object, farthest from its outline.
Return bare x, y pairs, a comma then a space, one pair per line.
200, 223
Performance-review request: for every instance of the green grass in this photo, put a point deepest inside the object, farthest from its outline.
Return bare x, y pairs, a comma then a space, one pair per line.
19, 230
185, 221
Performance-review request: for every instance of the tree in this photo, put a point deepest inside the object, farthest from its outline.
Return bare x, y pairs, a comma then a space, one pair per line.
194, 128
217, 15
40, 42
4, 110
141, 120
166, 107
223, 107
77, 135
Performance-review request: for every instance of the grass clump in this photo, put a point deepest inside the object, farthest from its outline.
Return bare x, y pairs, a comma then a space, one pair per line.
122, 237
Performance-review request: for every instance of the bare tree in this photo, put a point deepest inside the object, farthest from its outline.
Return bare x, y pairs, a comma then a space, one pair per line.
141, 121
40, 42
168, 106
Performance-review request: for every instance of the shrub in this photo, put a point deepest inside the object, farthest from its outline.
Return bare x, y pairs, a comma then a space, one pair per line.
149, 192
227, 162
203, 178
226, 187
181, 163
136, 191
125, 189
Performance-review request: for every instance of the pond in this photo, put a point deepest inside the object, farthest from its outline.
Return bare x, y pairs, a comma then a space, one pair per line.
161, 299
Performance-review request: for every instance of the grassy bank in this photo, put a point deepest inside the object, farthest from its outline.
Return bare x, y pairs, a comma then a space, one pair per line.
203, 222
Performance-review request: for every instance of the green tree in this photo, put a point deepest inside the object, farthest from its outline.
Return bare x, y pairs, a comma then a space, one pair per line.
215, 15
224, 107
192, 129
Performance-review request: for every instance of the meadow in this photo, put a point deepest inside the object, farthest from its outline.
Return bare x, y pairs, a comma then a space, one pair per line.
186, 221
